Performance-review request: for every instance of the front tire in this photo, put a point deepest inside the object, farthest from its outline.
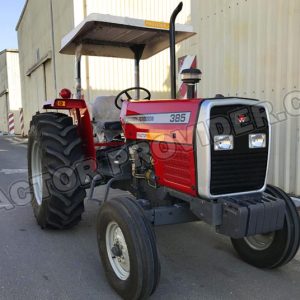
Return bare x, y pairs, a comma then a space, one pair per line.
276, 248
127, 249
53, 149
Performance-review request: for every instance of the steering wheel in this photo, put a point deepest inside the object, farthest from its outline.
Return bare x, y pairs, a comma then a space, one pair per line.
126, 92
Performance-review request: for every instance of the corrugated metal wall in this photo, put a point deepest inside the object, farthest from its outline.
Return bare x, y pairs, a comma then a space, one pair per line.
250, 48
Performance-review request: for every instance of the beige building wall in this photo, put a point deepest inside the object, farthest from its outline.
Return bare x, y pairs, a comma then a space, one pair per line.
10, 88
3, 119
13, 80
43, 70
245, 48
3, 92
3, 71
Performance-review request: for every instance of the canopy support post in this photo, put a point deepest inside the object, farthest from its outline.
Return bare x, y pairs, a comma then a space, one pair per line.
78, 72
138, 52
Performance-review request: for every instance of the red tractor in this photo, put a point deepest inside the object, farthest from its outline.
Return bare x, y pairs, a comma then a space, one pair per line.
181, 160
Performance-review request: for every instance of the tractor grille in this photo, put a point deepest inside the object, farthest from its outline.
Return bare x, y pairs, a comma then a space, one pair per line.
241, 169
238, 173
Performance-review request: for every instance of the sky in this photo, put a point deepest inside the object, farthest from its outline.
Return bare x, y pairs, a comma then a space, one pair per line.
10, 11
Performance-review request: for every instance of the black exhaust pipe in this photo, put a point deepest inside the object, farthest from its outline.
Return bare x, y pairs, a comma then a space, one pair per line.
173, 50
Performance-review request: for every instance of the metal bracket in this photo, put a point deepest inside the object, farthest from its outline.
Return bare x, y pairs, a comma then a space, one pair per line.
207, 211
109, 184
97, 178
92, 189
166, 215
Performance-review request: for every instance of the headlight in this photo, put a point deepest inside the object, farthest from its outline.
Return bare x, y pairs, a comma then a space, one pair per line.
257, 140
223, 142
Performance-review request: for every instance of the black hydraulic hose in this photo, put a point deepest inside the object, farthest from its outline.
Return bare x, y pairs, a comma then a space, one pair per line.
173, 50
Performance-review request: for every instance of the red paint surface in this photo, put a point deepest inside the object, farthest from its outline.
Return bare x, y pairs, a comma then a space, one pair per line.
184, 132
110, 144
174, 156
175, 167
86, 133
69, 104
80, 113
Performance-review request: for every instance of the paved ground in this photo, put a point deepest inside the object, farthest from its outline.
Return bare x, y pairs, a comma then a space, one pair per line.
196, 263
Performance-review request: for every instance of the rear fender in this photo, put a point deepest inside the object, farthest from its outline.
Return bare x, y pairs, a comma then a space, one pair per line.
80, 114
65, 104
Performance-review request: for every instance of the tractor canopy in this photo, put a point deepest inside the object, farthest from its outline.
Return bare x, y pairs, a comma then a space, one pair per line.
122, 37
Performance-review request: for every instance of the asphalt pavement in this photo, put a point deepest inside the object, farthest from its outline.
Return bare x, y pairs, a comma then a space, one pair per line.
45, 264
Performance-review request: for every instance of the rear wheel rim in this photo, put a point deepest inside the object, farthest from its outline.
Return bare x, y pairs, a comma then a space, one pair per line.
36, 169
260, 242
115, 239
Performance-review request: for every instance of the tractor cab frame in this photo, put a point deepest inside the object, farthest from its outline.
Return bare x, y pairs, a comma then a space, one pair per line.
123, 37
120, 37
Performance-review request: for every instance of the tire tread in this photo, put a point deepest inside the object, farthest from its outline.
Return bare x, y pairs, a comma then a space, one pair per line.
61, 147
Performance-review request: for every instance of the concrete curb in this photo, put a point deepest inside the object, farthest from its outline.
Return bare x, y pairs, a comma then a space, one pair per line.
16, 139
21, 140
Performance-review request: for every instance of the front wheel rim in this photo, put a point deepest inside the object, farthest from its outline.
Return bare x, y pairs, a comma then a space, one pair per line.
36, 172
260, 242
117, 251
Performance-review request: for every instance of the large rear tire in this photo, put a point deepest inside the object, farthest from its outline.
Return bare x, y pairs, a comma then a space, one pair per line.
276, 248
53, 149
127, 249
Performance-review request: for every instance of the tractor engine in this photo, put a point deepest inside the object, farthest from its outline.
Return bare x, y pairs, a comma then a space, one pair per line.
144, 178
198, 148
142, 163
206, 148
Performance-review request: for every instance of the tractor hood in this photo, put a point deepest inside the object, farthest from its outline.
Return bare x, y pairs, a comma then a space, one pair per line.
112, 36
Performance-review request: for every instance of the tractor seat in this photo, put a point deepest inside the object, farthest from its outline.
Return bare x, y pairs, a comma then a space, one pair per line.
112, 126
